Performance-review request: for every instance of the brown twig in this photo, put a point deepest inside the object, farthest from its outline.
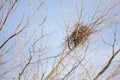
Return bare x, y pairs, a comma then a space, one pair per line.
108, 64
110, 60
25, 68
10, 10
58, 65
25, 24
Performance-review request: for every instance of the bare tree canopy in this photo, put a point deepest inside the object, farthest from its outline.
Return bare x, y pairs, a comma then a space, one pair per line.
59, 40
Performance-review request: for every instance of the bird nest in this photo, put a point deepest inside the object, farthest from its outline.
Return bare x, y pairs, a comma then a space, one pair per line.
79, 35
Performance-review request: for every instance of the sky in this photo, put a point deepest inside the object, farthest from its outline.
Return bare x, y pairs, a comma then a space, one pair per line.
55, 20
54, 25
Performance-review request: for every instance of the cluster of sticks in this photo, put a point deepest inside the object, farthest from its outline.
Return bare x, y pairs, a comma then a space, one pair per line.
79, 35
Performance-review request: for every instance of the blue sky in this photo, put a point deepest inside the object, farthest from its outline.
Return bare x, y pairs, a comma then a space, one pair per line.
54, 25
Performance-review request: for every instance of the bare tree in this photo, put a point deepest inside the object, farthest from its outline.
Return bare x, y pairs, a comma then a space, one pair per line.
18, 33
90, 50
78, 38
114, 52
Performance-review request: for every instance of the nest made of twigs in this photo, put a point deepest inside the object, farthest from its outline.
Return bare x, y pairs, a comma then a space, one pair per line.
79, 35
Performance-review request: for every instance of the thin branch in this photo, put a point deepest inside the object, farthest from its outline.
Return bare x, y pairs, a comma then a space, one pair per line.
10, 10
71, 71
25, 67
59, 63
116, 71
108, 64
25, 24
79, 62
42, 76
